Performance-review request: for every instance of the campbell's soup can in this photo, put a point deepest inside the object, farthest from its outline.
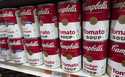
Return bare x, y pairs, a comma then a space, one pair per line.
49, 34
1, 26
31, 32
70, 35
5, 50
34, 51
29, 22
15, 36
96, 14
116, 65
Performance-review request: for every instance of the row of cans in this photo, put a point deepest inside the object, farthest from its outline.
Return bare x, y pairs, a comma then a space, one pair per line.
52, 34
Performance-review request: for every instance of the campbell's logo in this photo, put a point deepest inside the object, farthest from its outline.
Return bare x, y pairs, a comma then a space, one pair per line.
15, 43
93, 48
26, 12
119, 5
121, 73
117, 49
34, 43
8, 14
99, 5
68, 8
67, 32
117, 32
48, 45
71, 46
91, 32
44, 11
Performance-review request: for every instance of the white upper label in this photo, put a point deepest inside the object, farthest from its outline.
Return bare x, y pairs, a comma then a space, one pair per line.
49, 31
71, 31
31, 30
98, 32
117, 31
3, 31
14, 31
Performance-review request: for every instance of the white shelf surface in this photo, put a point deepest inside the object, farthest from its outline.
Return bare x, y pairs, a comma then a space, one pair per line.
37, 70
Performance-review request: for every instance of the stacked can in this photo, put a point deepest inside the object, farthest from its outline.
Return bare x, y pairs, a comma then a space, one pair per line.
4, 49
95, 36
116, 65
8, 17
1, 30
31, 34
49, 34
70, 35
15, 36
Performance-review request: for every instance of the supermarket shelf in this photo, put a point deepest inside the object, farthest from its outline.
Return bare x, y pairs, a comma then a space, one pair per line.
37, 70
21, 68
17, 3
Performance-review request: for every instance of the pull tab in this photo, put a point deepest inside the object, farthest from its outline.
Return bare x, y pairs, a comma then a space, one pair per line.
89, 59
121, 19
93, 20
65, 22
69, 56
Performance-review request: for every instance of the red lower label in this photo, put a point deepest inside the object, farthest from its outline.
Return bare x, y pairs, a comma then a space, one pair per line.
70, 48
50, 46
4, 43
117, 52
32, 45
95, 50
16, 44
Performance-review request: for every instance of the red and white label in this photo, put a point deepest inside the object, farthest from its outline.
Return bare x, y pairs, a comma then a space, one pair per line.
69, 21
96, 20
48, 21
94, 57
17, 47
3, 27
49, 34
29, 22
117, 52
34, 51
10, 16
118, 17
70, 55
70, 35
